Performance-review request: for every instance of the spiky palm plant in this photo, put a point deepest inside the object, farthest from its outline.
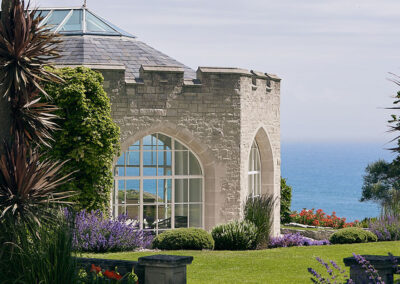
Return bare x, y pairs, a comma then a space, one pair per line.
28, 185
26, 48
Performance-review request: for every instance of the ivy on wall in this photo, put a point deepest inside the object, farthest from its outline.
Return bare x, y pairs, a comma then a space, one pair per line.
286, 201
87, 137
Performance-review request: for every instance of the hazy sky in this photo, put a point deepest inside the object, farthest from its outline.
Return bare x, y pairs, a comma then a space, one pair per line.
333, 55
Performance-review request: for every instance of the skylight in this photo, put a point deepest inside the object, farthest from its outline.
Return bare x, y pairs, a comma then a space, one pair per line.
78, 21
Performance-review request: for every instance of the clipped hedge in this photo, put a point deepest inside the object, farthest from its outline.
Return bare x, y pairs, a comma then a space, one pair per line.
352, 235
237, 235
185, 238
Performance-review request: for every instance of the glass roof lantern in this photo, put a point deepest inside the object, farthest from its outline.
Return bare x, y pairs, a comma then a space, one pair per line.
78, 21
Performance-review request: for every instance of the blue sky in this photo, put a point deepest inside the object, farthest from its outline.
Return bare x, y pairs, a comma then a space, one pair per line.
333, 55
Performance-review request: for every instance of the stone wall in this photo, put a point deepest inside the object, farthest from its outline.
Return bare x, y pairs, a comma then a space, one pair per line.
216, 115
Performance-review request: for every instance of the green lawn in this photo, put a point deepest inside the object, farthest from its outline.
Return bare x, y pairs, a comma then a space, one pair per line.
282, 265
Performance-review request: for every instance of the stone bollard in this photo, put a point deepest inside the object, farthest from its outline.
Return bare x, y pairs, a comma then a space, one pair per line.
383, 264
164, 269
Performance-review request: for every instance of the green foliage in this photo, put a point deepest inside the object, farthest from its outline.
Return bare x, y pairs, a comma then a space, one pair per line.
286, 201
259, 211
88, 137
237, 235
44, 257
352, 235
382, 185
184, 238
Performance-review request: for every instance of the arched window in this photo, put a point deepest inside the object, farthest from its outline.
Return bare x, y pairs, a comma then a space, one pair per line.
254, 171
159, 182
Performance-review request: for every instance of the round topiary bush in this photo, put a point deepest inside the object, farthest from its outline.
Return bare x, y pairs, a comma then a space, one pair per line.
352, 235
235, 236
185, 238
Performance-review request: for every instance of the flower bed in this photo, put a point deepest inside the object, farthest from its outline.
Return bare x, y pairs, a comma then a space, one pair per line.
294, 240
320, 218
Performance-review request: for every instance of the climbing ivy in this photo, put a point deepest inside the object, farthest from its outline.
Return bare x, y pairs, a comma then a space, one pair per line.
87, 136
286, 200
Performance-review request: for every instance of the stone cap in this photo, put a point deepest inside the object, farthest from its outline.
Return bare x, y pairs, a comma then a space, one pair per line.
259, 74
95, 66
224, 70
273, 77
165, 260
162, 68
375, 260
192, 83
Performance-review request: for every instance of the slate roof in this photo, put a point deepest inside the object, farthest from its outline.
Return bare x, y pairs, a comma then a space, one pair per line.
111, 50
94, 40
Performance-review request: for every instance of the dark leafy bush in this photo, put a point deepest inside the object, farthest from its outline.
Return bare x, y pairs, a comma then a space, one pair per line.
286, 200
43, 257
352, 235
88, 137
237, 235
294, 240
386, 228
259, 211
96, 233
184, 238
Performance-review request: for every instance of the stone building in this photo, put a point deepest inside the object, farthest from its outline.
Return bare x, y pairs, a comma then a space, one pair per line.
195, 144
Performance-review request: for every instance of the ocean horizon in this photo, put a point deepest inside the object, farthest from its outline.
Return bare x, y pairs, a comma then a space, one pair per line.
329, 176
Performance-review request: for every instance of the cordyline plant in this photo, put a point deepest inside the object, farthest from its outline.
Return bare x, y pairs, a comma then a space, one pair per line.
26, 48
28, 183
28, 186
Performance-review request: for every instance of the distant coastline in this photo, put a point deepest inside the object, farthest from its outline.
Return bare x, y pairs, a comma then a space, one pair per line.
330, 175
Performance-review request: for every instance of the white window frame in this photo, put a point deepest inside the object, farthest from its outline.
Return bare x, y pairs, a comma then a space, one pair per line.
254, 172
141, 178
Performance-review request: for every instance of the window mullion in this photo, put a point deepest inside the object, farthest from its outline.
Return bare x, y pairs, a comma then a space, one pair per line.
141, 183
173, 184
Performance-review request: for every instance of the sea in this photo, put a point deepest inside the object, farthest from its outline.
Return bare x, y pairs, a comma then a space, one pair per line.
329, 176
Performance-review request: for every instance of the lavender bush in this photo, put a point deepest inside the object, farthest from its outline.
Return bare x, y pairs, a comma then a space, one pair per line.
96, 233
292, 240
337, 275
386, 228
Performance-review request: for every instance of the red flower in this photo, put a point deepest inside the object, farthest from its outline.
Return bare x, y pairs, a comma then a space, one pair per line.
112, 275
96, 269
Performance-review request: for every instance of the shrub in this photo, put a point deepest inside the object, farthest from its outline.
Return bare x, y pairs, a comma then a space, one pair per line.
184, 238
259, 211
320, 218
235, 236
386, 228
88, 137
96, 233
352, 235
42, 257
286, 200
294, 240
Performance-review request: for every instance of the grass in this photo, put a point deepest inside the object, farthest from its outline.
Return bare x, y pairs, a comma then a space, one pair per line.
281, 265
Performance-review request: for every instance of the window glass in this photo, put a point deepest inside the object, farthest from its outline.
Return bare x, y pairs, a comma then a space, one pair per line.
195, 190
74, 23
56, 17
94, 24
149, 192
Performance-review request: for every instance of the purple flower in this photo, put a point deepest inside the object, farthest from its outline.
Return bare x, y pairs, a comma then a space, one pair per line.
93, 232
290, 240
386, 228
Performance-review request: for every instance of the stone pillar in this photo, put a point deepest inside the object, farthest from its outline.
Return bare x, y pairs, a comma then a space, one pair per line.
383, 264
164, 269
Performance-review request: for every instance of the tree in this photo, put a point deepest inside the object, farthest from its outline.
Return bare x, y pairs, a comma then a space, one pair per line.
382, 179
286, 200
88, 137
